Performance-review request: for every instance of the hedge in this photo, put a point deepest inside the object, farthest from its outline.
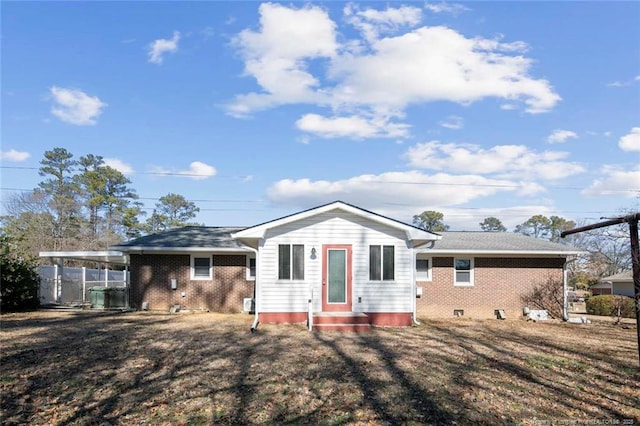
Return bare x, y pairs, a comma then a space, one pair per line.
18, 285
607, 305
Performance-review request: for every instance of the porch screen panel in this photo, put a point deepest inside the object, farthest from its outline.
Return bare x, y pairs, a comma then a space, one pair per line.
284, 261
337, 266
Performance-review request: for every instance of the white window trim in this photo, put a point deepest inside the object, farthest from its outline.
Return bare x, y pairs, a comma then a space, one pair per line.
193, 269
471, 272
304, 266
249, 276
382, 270
429, 270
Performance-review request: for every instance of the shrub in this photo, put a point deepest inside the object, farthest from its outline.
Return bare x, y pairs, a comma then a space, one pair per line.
18, 282
607, 305
547, 295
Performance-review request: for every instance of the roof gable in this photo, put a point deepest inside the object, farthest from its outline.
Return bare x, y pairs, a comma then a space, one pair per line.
412, 233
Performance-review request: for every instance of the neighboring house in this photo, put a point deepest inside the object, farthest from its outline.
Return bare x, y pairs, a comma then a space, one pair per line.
343, 259
621, 284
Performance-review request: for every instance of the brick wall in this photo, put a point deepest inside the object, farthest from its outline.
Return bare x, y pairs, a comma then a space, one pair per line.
498, 284
151, 274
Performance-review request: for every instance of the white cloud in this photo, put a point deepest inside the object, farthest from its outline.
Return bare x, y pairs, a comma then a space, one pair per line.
453, 8
412, 187
616, 181
453, 122
561, 136
76, 107
352, 127
372, 22
505, 161
119, 165
631, 141
13, 155
624, 83
158, 48
197, 171
296, 57
275, 56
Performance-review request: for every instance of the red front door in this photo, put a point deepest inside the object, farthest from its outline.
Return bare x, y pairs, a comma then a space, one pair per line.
336, 277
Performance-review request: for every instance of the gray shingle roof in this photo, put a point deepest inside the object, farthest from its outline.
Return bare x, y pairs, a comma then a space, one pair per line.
186, 237
205, 237
621, 276
497, 242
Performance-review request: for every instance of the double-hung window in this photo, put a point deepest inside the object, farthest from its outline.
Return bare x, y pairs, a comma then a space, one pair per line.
423, 269
201, 267
291, 262
251, 268
463, 271
381, 263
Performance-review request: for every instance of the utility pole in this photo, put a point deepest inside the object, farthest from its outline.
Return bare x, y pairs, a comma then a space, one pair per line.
632, 220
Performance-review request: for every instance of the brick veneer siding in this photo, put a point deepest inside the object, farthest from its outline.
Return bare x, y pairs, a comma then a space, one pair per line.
499, 283
151, 274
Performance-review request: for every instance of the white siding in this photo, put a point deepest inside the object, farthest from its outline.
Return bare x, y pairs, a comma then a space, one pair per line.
624, 289
335, 227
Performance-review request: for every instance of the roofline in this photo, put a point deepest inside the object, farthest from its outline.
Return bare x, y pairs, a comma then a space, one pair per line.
104, 256
509, 252
129, 249
258, 231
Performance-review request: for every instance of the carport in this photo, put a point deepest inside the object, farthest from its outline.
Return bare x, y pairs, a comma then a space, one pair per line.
62, 285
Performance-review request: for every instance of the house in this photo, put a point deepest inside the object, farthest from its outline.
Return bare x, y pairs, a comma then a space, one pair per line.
340, 261
621, 284
475, 274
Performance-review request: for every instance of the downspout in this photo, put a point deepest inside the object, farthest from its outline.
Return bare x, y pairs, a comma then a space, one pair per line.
565, 301
256, 318
414, 285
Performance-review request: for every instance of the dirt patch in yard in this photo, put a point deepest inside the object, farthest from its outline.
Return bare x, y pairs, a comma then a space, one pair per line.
142, 368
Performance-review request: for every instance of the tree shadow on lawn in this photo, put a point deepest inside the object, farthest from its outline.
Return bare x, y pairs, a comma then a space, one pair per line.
208, 369
554, 378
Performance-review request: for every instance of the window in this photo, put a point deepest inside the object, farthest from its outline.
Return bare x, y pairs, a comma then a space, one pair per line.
423, 269
381, 263
201, 268
251, 268
291, 262
463, 272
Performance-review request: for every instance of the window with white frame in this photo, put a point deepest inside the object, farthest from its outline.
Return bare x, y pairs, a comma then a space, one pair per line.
201, 267
291, 262
382, 263
463, 271
423, 269
251, 268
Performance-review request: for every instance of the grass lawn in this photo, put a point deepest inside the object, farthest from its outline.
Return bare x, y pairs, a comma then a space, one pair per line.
141, 368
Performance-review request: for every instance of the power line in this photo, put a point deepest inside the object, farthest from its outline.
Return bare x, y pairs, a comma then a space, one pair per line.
392, 182
158, 173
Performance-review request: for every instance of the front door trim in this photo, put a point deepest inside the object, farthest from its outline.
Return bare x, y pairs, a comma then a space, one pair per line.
336, 307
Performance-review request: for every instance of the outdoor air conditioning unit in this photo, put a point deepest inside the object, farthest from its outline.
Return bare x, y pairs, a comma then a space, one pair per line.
248, 304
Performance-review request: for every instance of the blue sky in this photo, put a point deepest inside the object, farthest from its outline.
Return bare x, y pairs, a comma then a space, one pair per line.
257, 110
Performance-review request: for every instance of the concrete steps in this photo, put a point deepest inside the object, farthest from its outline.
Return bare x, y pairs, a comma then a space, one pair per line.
341, 321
